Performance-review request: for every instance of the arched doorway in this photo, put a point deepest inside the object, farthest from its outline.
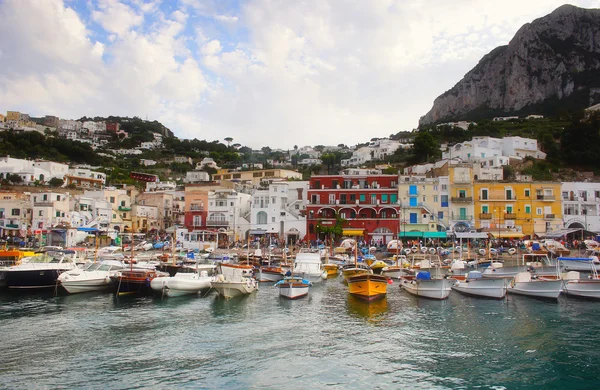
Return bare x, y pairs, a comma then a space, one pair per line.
383, 235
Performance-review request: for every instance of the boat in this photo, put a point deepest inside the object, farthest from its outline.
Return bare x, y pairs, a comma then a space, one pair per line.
525, 283
40, 272
93, 276
182, 283
10, 258
377, 266
331, 269
234, 280
539, 263
425, 286
585, 263
293, 287
476, 285
368, 287
583, 287
137, 280
398, 270
350, 270
308, 265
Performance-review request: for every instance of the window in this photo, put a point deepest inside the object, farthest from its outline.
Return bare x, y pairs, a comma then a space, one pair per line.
41, 213
112, 199
485, 209
484, 194
527, 192
394, 198
444, 187
114, 215
352, 198
58, 213
331, 198
373, 199
462, 193
538, 211
272, 219
384, 198
16, 212
343, 199
123, 203
527, 209
444, 200
57, 197
261, 218
440, 215
363, 198
509, 195
45, 197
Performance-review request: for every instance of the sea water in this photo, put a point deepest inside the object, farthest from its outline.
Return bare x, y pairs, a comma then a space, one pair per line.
325, 340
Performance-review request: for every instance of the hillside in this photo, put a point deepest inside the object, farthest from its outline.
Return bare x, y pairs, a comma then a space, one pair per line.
551, 63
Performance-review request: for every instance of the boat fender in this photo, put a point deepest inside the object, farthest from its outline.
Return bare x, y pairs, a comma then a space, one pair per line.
107, 280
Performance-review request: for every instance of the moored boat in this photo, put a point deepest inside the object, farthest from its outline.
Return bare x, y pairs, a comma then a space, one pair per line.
309, 266
91, 277
40, 272
368, 287
293, 287
424, 286
182, 283
476, 285
577, 286
234, 280
137, 280
526, 284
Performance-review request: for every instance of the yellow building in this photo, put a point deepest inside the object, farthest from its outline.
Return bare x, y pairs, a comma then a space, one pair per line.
13, 116
1, 118
517, 209
460, 188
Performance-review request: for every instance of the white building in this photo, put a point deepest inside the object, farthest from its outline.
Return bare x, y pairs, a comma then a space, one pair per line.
147, 163
50, 209
15, 214
196, 176
32, 171
208, 163
225, 211
521, 147
279, 209
581, 205
87, 173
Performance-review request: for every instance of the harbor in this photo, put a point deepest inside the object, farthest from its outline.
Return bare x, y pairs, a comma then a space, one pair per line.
328, 339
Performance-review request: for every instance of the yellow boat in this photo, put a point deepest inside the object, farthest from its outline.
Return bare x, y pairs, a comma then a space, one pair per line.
355, 269
377, 266
331, 269
367, 287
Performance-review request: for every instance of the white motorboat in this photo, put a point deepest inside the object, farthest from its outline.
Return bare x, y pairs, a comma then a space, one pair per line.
234, 280
424, 286
40, 272
527, 284
398, 270
584, 263
92, 277
293, 287
183, 283
476, 285
308, 265
586, 287
539, 263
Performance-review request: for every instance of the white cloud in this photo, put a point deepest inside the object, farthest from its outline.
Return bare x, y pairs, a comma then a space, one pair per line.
268, 73
116, 17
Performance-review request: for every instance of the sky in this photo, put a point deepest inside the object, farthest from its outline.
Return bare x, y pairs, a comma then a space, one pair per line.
263, 72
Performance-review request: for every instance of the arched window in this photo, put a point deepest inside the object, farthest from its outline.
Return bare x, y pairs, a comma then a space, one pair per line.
261, 218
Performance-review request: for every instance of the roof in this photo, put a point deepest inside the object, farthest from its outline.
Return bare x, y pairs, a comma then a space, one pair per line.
471, 235
558, 233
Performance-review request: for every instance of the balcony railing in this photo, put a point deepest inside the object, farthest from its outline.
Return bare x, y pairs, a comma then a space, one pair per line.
463, 180
461, 199
462, 217
196, 208
498, 198
549, 216
485, 216
211, 222
412, 193
545, 197
510, 216
124, 208
44, 203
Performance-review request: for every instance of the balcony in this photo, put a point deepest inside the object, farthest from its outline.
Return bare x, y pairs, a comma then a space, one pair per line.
124, 208
463, 180
549, 216
44, 203
196, 208
546, 197
485, 216
510, 216
497, 198
412, 193
211, 222
461, 199
462, 217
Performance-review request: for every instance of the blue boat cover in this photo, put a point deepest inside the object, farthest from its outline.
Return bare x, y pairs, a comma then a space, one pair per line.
535, 246
475, 275
574, 259
423, 275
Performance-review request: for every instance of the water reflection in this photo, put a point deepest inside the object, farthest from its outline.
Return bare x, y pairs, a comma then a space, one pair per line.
374, 311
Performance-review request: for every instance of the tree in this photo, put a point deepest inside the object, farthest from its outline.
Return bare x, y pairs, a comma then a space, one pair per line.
425, 148
14, 178
56, 182
228, 140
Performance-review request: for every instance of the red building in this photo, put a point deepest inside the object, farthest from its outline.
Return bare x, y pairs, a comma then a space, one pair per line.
112, 127
368, 203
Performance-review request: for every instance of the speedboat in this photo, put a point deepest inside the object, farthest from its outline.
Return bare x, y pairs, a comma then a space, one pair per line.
425, 286
476, 285
293, 287
91, 277
234, 280
530, 285
182, 283
40, 272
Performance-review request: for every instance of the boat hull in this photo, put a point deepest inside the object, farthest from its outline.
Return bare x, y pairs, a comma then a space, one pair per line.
486, 288
293, 289
332, 270
88, 285
181, 284
136, 282
433, 288
548, 289
234, 289
270, 274
583, 288
33, 278
368, 287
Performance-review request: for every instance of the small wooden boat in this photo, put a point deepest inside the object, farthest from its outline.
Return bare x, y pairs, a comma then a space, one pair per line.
424, 286
293, 287
137, 281
355, 269
526, 284
368, 287
577, 286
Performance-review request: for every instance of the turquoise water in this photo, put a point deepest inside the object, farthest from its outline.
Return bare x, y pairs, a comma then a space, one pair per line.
326, 340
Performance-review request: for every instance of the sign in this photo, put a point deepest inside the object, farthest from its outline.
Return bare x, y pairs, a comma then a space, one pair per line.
37, 232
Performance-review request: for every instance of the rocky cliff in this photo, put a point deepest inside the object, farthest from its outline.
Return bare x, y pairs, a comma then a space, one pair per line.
553, 58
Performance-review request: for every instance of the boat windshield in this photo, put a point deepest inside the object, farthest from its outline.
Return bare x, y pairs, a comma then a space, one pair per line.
47, 257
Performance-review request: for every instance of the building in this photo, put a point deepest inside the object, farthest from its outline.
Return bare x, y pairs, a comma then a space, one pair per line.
163, 201
121, 204
365, 205
279, 210
258, 176
15, 214
581, 205
182, 160
225, 208
51, 121
85, 178
113, 127
517, 210
424, 206
207, 162
461, 206
145, 218
196, 177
